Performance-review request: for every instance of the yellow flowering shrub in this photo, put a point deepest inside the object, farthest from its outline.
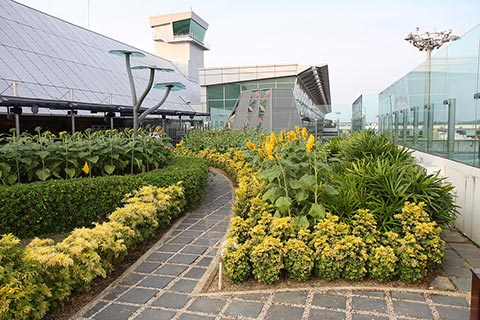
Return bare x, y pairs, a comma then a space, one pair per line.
382, 263
298, 259
55, 267
23, 293
267, 260
235, 260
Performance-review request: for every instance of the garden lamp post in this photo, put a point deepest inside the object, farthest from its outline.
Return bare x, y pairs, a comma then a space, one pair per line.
168, 86
429, 41
136, 103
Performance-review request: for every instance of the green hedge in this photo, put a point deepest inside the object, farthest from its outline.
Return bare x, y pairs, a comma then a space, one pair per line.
39, 208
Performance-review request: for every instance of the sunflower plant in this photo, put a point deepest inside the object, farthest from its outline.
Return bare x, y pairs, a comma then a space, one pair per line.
296, 170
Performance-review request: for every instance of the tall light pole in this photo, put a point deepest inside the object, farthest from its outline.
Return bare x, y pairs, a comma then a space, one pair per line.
137, 102
338, 113
429, 41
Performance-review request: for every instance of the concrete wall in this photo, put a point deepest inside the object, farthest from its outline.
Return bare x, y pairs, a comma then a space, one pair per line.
466, 180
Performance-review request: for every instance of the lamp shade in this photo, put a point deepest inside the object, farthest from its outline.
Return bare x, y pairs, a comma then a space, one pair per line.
136, 54
175, 86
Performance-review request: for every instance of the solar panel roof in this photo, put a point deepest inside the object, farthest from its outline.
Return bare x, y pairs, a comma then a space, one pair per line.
52, 60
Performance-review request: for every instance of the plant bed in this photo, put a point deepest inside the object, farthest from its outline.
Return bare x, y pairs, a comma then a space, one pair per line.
79, 299
284, 282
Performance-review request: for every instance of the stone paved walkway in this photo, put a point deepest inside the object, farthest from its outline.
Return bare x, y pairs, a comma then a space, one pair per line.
165, 283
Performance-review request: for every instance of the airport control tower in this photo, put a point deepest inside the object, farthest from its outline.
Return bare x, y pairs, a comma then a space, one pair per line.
179, 37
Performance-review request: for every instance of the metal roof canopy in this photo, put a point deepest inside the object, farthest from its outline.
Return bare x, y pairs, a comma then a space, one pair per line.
315, 81
10, 101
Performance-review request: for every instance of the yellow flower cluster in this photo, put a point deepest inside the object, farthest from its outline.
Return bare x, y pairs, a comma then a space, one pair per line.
271, 144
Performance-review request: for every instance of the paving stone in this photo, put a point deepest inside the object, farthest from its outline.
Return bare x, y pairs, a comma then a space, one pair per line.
451, 301
194, 249
171, 269
316, 314
112, 295
205, 262
453, 235
411, 309
442, 283
358, 316
204, 242
369, 304
183, 258
94, 309
197, 227
212, 252
207, 305
170, 247
132, 279
159, 282
462, 284
172, 300
368, 293
184, 286
138, 295
195, 273
295, 297
181, 240
187, 316
459, 272
408, 296
283, 313
329, 300
262, 297
116, 312
155, 314
159, 256
453, 313
147, 267
244, 309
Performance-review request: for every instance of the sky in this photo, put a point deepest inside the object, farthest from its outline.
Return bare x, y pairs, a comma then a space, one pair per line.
361, 41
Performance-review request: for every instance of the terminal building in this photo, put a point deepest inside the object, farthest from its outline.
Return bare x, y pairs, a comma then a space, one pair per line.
59, 76
270, 97
62, 77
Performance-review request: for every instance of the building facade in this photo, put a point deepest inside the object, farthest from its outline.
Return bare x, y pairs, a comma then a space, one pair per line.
298, 95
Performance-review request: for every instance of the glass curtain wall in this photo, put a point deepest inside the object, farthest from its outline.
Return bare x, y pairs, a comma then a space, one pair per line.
443, 118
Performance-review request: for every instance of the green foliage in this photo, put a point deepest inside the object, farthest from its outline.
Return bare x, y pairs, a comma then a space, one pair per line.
347, 201
383, 187
39, 208
329, 260
267, 260
369, 145
240, 229
298, 260
421, 235
45, 156
382, 263
296, 172
44, 273
219, 140
235, 261
23, 294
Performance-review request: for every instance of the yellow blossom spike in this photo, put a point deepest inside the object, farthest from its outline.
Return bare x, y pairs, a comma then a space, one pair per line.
291, 136
86, 168
297, 130
261, 154
273, 140
310, 143
251, 146
304, 133
269, 149
283, 137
